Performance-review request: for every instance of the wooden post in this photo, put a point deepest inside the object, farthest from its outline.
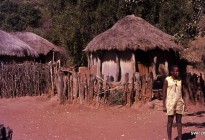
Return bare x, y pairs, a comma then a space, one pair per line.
81, 89
65, 87
86, 88
60, 87
143, 88
132, 90
91, 88
99, 67
53, 53
88, 58
75, 86
69, 89
154, 68
166, 64
127, 91
137, 88
99, 89
133, 67
106, 88
52, 79
149, 82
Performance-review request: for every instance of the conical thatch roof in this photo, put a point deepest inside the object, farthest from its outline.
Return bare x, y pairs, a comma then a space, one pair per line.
132, 33
39, 44
13, 46
195, 51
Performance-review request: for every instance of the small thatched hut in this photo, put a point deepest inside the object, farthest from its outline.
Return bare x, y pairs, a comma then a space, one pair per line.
43, 47
195, 52
14, 49
131, 45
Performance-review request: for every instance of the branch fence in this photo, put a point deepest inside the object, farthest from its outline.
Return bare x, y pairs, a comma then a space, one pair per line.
18, 80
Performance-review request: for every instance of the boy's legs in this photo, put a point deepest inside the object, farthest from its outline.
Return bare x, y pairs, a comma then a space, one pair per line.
169, 126
179, 125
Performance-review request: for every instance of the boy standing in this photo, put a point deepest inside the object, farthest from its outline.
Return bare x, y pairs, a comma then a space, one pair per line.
172, 95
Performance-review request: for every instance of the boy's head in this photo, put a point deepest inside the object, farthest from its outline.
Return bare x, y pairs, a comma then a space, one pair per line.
175, 71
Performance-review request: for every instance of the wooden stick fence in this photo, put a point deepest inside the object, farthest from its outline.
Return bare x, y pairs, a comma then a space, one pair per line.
18, 80
34, 79
88, 88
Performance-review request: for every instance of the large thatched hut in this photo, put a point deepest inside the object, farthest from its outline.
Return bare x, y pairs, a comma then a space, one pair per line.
14, 49
132, 45
45, 49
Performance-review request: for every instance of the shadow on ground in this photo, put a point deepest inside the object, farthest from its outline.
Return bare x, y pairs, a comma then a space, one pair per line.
199, 125
187, 136
189, 124
198, 114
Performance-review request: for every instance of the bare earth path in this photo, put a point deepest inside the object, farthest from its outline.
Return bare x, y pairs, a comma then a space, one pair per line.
41, 118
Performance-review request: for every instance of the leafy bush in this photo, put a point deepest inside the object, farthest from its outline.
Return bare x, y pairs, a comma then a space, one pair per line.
18, 16
117, 98
14, 22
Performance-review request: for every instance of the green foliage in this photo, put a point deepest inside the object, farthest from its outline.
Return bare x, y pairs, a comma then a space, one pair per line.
8, 7
31, 15
174, 15
2, 18
76, 22
14, 22
190, 28
18, 16
117, 98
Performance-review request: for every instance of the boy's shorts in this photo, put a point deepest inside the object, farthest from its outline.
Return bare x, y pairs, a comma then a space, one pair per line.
175, 108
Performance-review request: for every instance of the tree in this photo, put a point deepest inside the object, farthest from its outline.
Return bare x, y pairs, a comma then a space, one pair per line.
14, 22
18, 16
75, 23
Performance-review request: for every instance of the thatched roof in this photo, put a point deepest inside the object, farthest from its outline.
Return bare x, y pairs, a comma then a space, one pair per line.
39, 44
195, 51
13, 46
201, 23
132, 33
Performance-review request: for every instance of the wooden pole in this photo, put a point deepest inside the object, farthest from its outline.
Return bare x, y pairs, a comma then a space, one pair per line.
137, 88
52, 73
69, 89
75, 86
143, 88
132, 90
127, 90
86, 88
60, 87
65, 87
52, 79
154, 68
98, 66
91, 88
149, 82
81, 89
106, 88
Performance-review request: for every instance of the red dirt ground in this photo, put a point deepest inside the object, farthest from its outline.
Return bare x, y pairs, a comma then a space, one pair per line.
41, 118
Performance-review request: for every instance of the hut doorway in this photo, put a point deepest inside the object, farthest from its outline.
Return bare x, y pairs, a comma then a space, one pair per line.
142, 62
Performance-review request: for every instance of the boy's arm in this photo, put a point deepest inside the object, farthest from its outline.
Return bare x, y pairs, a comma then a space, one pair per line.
164, 91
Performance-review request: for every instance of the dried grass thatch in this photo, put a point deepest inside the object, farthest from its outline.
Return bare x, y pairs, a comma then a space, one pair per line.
39, 44
195, 51
132, 33
13, 46
201, 23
